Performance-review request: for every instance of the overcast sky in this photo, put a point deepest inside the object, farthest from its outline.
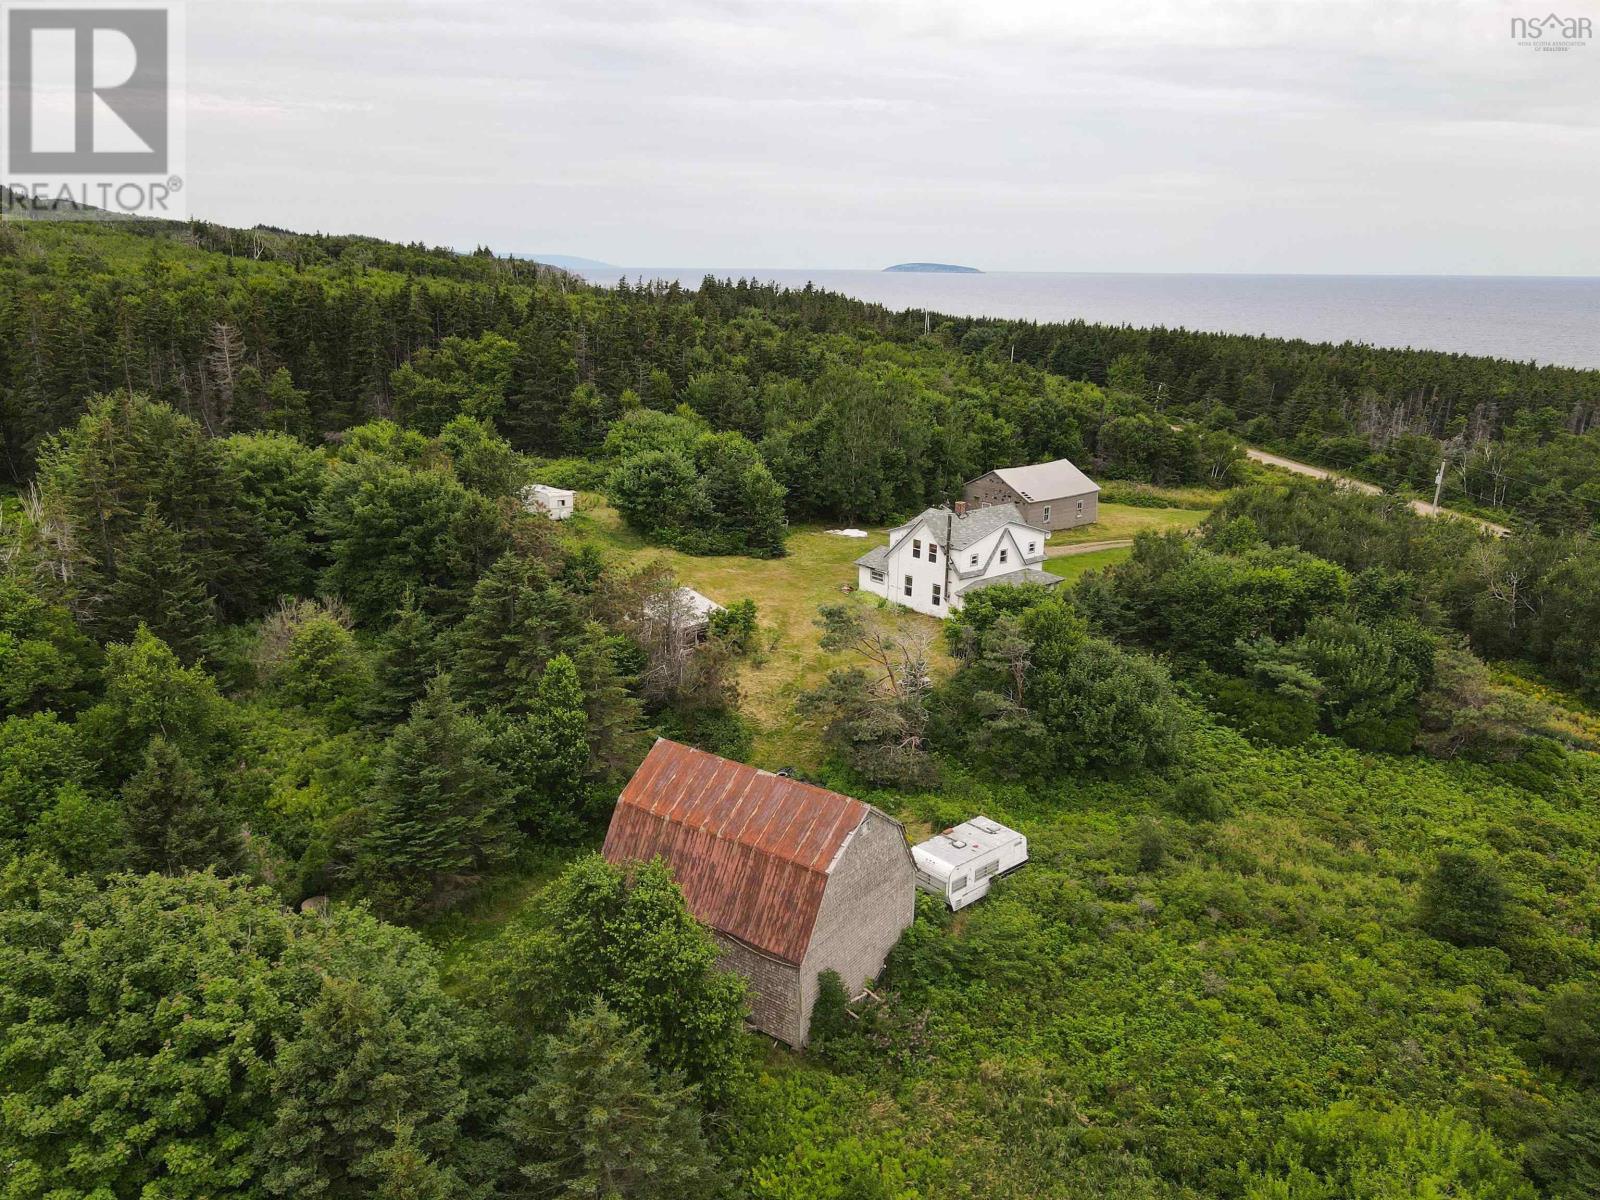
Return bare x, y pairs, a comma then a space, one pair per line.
1284, 135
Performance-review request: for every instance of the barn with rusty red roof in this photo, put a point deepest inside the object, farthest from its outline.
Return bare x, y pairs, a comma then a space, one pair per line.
792, 879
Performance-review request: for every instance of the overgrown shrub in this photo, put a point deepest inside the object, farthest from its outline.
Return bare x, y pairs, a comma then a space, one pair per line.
1197, 799
736, 625
1572, 1029
1463, 900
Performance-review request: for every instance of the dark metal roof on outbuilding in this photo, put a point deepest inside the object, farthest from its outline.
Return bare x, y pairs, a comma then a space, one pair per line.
751, 850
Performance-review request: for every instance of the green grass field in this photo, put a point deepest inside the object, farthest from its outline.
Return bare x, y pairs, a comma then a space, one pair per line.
1072, 567
1194, 496
787, 591
1125, 520
816, 571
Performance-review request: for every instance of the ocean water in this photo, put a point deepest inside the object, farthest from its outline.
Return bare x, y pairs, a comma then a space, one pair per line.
1542, 319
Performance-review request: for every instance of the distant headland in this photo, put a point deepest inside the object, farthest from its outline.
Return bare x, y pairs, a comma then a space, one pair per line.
938, 268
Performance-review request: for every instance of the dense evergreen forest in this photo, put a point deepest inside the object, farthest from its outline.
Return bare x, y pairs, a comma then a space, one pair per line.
308, 731
205, 318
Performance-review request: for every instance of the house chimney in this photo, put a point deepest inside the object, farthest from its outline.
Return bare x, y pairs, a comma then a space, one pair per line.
961, 508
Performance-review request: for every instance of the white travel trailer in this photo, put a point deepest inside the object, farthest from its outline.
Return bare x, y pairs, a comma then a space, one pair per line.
961, 863
556, 503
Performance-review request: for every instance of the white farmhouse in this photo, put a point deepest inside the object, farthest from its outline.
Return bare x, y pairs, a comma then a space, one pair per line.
556, 503
935, 559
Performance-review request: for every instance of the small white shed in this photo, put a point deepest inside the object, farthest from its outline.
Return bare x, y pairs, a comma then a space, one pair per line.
961, 863
556, 503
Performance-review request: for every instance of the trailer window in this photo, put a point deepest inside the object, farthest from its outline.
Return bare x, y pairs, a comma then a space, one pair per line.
959, 882
988, 869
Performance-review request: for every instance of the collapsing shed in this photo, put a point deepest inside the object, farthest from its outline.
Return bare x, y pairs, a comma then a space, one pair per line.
792, 879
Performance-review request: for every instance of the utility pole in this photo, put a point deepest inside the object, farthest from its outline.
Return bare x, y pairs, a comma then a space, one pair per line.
1438, 484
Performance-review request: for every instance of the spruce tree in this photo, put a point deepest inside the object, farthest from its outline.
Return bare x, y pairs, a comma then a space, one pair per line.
439, 807
544, 755
615, 715
156, 584
599, 1123
372, 1079
325, 672
175, 822
408, 656
563, 728
514, 621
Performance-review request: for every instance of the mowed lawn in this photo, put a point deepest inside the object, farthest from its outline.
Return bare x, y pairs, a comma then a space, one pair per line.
1125, 520
787, 591
1072, 567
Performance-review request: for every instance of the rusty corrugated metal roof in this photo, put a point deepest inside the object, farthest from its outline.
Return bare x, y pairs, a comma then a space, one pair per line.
751, 850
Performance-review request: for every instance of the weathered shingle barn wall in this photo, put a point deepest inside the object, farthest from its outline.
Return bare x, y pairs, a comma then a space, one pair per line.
774, 989
865, 906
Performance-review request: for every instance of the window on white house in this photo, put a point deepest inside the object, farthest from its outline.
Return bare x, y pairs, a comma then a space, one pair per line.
1047, 514
908, 585
936, 595
1080, 508
973, 561
877, 576
916, 547
1031, 545
933, 551
1003, 555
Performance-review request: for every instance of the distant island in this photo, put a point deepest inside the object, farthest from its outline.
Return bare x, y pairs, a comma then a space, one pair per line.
944, 268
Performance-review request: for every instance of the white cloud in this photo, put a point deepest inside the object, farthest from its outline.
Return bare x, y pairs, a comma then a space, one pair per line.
1231, 135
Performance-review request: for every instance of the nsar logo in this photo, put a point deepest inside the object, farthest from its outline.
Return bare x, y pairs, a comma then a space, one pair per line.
1552, 32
